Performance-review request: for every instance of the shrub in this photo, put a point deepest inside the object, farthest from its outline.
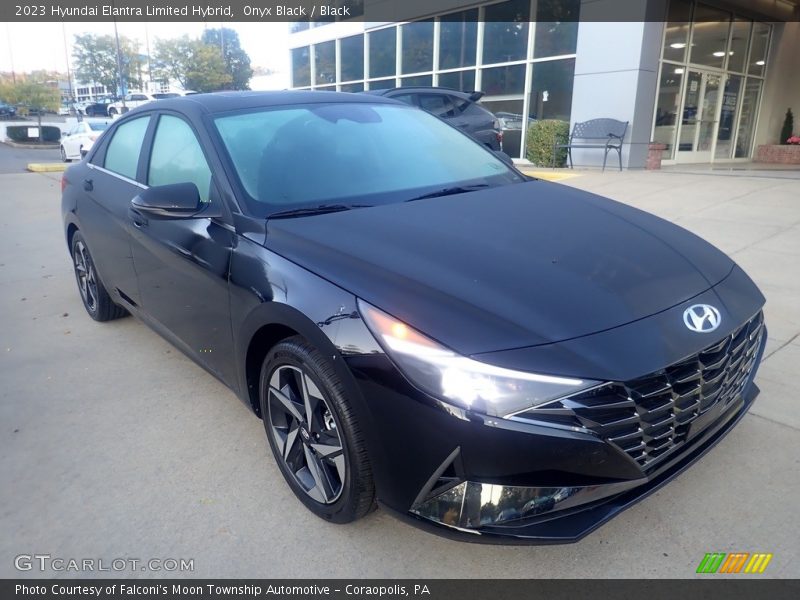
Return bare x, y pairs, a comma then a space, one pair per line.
788, 127
541, 137
19, 133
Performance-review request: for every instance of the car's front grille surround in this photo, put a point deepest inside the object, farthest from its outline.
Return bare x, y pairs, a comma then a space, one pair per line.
649, 417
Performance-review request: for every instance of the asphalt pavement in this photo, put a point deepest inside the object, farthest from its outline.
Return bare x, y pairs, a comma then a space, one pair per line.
114, 445
15, 160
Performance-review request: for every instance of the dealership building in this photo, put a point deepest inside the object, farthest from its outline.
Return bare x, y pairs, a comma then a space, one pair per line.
710, 80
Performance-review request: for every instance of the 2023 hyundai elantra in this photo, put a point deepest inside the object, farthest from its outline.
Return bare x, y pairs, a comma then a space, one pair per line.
416, 323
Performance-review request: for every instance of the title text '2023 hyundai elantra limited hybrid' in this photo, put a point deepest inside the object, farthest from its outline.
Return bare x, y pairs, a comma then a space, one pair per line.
418, 324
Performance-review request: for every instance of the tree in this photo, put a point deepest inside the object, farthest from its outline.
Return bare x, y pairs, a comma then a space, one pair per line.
194, 64
95, 59
237, 62
34, 95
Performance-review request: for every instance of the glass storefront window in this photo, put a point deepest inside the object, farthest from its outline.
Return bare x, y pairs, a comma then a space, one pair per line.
551, 90
737, 55
709, 36
668, 107
505, 36
747, 121
758, 50
352, 57
556, 27
301, 67
727, 117
510, 113
458, 80
458, 36
382, 52
417, 80
382, 84
417, 46
501, 81
352, 87
325, 62
676, 38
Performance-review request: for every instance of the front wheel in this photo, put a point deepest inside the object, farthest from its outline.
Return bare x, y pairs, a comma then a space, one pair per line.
313, 433
112, 111
64, 155
95, 298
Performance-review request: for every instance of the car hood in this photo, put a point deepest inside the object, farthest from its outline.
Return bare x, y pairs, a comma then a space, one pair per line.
506, 267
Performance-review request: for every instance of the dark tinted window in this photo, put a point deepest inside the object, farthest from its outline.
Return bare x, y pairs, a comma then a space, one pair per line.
556, 27
325, 62
407, 98
301, 67
457, 39
123, 151
506, 34
440, 105
463, 81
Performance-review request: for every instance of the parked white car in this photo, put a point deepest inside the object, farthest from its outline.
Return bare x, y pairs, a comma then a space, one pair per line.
131, 101
79, 139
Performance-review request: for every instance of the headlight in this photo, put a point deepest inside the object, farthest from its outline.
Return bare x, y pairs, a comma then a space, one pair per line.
468, 383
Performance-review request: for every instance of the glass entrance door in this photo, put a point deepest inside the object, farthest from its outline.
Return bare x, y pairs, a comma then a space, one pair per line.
699, 116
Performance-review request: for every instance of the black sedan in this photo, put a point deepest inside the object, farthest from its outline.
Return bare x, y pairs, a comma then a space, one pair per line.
460, 109
417, 324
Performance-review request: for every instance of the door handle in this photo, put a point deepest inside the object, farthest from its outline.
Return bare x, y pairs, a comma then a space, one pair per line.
137, 218
88, 185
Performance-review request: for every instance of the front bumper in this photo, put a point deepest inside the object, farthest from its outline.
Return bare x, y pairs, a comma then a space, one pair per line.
565, 514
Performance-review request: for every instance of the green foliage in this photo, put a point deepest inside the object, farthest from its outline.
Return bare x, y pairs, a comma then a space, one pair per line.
237, 62
788, 126
95, 60
194, 64
19, 133
541, 137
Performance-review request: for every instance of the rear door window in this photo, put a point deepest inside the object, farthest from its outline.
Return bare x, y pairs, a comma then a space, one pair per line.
122, 156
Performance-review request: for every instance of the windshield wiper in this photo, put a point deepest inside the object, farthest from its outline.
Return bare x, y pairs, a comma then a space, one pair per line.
450, 191
314, 210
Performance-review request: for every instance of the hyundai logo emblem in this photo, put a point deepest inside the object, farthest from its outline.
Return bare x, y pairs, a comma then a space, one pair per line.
702, 318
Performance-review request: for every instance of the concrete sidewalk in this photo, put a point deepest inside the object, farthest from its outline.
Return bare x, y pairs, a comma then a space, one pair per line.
114, 445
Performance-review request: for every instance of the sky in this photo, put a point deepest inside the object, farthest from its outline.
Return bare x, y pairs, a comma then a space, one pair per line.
31, 46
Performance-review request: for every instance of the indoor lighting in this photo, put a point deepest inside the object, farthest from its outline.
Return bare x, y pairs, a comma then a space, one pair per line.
678, 71
678, 45
760, 63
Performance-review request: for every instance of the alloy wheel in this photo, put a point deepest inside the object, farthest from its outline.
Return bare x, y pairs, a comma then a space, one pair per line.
306, 435
87, 279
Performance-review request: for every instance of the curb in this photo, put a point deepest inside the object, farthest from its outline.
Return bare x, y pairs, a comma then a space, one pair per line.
46, 167
52, 146
549, 175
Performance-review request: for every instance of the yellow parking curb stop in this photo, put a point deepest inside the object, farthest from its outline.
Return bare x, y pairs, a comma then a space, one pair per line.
46, 167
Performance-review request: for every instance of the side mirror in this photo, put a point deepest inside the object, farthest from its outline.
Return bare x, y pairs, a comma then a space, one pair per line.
174, 201
504, 157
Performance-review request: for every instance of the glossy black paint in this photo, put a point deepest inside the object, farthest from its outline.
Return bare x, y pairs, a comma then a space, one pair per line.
531, 276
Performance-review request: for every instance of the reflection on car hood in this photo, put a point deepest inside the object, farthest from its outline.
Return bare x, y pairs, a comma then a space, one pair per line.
506, 267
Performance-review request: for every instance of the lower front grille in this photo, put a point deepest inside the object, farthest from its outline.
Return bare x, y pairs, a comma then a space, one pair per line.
649, 417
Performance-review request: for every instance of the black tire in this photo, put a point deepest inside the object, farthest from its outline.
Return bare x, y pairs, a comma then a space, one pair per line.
356, 492
93, 293
112, 111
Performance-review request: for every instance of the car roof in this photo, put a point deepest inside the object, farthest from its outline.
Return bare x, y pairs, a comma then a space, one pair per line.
218, 102
420, 89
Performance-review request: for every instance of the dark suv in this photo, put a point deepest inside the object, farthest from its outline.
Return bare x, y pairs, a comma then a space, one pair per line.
460, 109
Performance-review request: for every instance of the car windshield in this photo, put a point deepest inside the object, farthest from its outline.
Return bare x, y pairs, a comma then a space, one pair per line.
98, 126
310, 155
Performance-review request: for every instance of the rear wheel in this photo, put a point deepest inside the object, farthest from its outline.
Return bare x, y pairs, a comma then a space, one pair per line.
313, 434
95, 298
